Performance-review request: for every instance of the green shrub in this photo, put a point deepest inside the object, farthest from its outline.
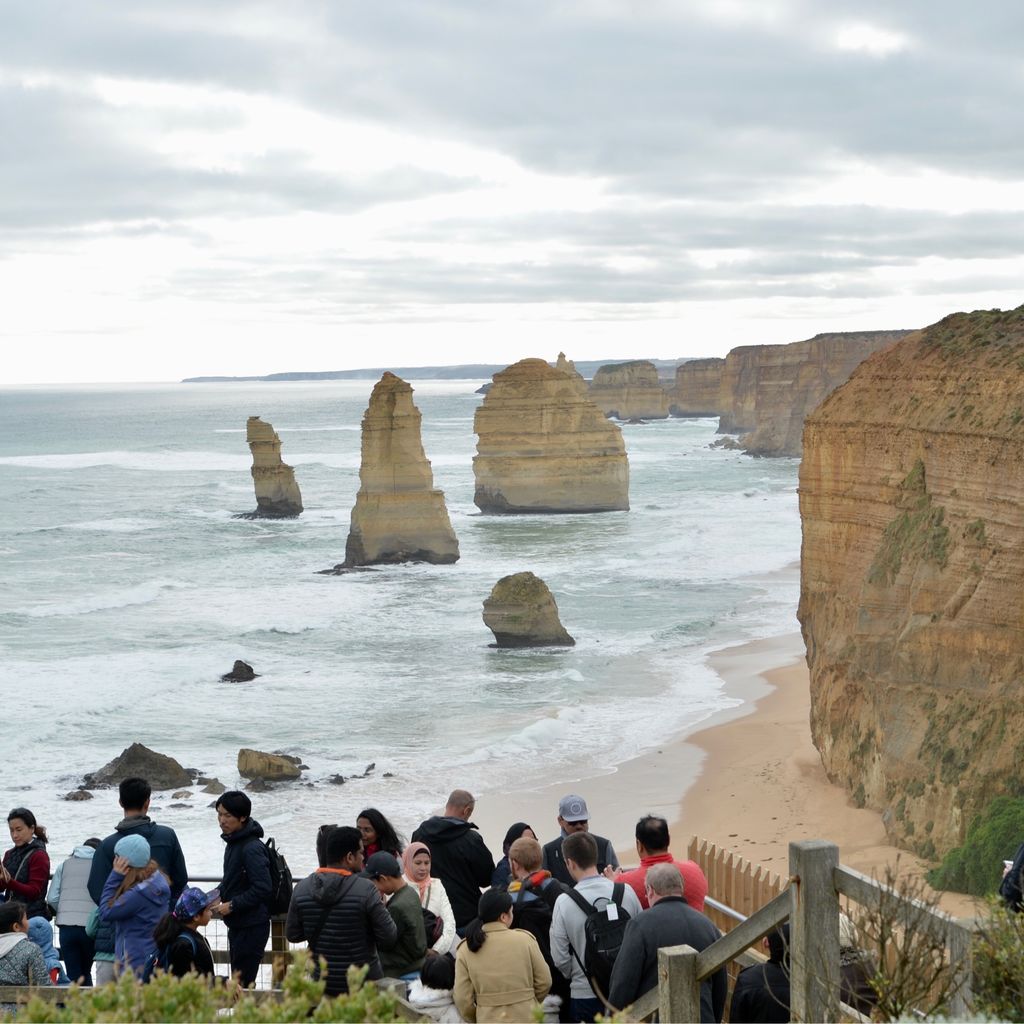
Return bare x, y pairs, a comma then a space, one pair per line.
993, 836
999, 965
191, 998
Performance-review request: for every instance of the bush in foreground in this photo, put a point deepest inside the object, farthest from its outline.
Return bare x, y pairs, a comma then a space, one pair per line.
192, 998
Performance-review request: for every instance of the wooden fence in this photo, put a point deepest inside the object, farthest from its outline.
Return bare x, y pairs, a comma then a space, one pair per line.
733, 882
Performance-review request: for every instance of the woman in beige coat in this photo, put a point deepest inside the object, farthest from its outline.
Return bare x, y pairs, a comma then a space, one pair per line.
500, 974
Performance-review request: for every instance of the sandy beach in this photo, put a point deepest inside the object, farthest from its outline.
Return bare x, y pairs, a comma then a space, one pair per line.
749, 779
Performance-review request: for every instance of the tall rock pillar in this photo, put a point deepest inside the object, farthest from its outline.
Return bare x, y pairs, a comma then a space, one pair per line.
277, 493
398, 515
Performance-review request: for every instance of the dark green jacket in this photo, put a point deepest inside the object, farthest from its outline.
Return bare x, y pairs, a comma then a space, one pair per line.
408, 952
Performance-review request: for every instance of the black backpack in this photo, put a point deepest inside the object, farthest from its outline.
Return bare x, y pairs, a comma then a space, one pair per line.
604, 932
280, 880
1012, 886
160, 959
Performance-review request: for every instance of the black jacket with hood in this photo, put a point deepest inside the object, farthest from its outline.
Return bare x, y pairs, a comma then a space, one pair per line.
164, 848
460, 859
246, 885
355, 924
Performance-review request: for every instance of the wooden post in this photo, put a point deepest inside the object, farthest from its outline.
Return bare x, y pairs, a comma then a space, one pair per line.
280, 957
678, 988
960, 957
814, 931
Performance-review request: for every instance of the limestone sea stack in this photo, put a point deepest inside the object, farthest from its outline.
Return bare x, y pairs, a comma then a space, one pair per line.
768, 390
522, 613
544, 446
912, 504
630, 391
696, 388
277, 493
398, 515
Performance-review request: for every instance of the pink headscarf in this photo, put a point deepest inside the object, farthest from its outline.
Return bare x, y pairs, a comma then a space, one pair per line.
410, 851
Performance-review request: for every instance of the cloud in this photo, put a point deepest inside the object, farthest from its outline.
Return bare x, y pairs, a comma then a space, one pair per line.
406, 160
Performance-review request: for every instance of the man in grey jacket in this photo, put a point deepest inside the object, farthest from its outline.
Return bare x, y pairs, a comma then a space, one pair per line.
340, 913
669, 922
568, 922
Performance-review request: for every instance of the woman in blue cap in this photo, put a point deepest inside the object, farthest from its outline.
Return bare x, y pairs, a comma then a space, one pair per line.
181, 947
134, 898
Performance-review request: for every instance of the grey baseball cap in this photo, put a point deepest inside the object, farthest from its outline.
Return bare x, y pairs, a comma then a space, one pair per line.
573, 808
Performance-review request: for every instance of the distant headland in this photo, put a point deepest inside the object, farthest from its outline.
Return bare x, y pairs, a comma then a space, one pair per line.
463, 371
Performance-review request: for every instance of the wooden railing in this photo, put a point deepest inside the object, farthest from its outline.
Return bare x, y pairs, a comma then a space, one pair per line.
811, 905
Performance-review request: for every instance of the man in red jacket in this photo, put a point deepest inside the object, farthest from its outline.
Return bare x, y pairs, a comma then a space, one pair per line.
652, 842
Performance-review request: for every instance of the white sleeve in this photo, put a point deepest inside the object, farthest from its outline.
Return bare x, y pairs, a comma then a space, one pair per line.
438, 902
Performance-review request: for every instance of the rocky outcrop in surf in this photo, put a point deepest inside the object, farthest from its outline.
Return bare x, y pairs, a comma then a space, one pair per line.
911, 500
696, 391
628, 391
277, 493
161, 771
257, 764
522, 613
768, 390
398, 516
544, 446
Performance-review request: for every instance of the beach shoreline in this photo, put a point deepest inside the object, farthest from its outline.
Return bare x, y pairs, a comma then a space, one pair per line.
748, 779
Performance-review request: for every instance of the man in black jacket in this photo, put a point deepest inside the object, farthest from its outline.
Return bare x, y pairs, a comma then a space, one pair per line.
761, 993
246, 887
340, 914
133, 795
669, 922
574, 817
458, 855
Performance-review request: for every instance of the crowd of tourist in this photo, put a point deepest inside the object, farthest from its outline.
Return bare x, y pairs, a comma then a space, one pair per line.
559, 924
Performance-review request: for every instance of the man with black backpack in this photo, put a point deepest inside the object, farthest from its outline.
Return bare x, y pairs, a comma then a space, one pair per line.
534, 894
587, 927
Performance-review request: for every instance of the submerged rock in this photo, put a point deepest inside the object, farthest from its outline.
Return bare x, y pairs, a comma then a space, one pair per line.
77, 794
522, 613
241, 672
257, 764
277, 493
544, 446
159, 770
398, 516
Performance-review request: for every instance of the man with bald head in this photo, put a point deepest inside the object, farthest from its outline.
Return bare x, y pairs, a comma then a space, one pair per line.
458, 855
669, 922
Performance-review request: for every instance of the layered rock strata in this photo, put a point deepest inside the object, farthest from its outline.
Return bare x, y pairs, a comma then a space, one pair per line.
630, 391
544, 446
767, 391
277, 493
521, 612
912, 503
697, 387
398, 516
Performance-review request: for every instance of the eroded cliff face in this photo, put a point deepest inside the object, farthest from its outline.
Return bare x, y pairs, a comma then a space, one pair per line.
630, 391
767, 391
543, 446
912, 503
277, 493
398, 515
697, 388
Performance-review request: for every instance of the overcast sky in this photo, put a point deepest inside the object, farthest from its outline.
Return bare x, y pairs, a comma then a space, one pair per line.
235, 188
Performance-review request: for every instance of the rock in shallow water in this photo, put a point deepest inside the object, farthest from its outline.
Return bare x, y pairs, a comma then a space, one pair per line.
522, 613
257, 764
161, 771
241, 672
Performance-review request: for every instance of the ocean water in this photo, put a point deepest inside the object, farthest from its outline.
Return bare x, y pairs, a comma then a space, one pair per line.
128, 589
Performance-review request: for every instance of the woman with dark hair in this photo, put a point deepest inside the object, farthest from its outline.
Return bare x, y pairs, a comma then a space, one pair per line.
25, 872
245, 890
180, 945
21, 961
500, 974
503, 872
134, 898
378, 834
